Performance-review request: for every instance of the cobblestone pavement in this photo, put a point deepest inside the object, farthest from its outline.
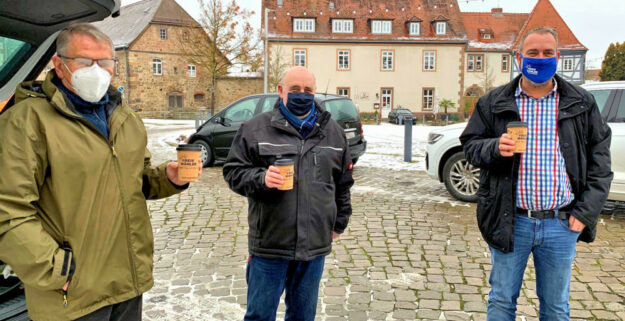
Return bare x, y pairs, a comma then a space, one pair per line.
411, 252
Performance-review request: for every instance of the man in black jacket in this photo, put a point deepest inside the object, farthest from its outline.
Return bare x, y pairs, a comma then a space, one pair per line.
291, 231
545, 199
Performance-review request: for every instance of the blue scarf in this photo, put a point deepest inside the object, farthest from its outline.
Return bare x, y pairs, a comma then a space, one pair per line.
304, 126
95, 113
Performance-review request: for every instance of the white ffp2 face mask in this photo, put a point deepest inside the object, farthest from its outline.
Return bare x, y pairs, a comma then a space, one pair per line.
90, 83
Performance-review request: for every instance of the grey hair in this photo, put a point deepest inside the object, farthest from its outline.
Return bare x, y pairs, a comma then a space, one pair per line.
82, 28
541, 31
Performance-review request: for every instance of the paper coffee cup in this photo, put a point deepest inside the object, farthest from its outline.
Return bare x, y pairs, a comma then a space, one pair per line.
189, 162
287, 170
518, 131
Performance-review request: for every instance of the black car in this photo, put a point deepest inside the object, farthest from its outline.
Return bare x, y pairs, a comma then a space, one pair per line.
396, 116
28, 30
216, 135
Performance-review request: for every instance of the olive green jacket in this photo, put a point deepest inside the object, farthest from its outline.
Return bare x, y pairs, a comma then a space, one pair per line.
69, 195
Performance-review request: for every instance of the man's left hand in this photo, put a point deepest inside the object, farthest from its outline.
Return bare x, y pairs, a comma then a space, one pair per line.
335, 235
172, 173
575, 224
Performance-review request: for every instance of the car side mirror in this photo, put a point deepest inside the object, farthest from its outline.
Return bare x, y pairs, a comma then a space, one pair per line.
225, 121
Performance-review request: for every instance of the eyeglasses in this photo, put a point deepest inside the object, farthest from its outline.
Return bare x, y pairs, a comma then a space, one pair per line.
87, 62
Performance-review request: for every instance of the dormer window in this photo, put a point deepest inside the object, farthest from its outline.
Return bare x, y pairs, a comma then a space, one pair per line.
342, 26
303, 25
414, 28
487, 36
381, 26
441, 27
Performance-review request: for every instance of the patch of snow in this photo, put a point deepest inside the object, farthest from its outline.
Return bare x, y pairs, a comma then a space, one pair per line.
490, 45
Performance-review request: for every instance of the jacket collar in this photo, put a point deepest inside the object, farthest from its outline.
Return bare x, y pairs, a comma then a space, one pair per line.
506, 99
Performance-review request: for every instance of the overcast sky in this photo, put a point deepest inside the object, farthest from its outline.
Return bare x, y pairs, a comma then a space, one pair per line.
596, 23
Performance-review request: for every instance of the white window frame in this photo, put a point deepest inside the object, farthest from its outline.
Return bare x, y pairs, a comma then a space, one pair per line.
343, 91
505, 65
389, 56
163, 33
191, 70
473, 61
427, 64
441, 27
345, 65
428, 99
388, 96
486, 36
157, 66
568, 61
303, 25
300, 54
381, 27
343, 26
414, 28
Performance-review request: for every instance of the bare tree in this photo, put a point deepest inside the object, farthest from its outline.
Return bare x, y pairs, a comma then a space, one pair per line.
277, 66
224, 37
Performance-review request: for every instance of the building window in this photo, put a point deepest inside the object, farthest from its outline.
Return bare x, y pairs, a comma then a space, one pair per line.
388, 63
343, 91
428, 98
429, 60
414, 28
475, 62
163, 34
387, 98
175, 100
191, 71
175, 70
567, 64
381, 26
441, 28
342, 26
185, 36
303, 25
157, 67
486, 36
299, 57
116, 67
198, 98
343, 60
505, 63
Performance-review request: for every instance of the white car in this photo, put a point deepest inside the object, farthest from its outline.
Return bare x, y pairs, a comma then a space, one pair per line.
445, 160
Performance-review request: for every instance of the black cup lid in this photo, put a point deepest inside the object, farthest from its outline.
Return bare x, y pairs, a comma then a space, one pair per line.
517, 124
189, 147
284, 162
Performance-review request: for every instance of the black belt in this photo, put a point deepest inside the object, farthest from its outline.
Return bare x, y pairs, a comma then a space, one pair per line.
544, 214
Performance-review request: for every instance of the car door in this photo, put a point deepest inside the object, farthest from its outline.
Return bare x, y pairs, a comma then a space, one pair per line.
229, 121
616, 121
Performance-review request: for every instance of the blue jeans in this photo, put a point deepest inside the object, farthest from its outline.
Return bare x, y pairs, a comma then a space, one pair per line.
268, 278
552, 244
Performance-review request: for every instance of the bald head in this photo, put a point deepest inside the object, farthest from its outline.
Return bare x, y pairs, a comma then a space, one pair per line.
295, 80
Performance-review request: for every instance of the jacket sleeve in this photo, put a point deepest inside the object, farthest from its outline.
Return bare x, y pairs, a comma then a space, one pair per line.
343, 197
480, 148
239, 170
155, 182
25, 245
599, 174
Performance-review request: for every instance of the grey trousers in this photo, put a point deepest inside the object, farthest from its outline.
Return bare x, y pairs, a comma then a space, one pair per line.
124, 311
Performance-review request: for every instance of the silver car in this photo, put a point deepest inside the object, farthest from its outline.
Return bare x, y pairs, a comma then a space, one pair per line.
445, 160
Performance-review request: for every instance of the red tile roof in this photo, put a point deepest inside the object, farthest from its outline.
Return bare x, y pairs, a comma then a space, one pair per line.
545, 15
362, 12
504, 29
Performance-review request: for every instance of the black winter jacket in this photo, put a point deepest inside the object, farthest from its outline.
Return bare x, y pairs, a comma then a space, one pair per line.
585, 145
295, 224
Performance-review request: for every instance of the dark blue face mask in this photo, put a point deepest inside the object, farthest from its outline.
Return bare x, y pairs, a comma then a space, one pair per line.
300, 104
539, 70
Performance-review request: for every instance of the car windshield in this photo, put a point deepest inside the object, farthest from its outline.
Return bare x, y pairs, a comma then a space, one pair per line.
341, 109
13, 54
404, 111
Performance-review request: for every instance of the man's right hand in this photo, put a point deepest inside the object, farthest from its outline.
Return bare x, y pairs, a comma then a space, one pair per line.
273, 179
506, 145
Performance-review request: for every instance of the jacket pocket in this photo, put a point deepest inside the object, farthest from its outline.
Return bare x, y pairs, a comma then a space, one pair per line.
269, 151
277, 222
322, 215
327, 160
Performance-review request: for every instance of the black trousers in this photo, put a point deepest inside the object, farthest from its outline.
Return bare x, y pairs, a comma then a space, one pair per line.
124, 311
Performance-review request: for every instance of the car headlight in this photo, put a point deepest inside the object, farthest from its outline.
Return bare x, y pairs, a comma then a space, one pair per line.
433, 138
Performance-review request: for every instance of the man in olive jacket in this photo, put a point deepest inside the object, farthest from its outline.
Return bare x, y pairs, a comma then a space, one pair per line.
545, 199
74, 223
291, 231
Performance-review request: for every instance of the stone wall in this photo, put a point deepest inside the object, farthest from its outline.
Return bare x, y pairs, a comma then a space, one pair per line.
232, 88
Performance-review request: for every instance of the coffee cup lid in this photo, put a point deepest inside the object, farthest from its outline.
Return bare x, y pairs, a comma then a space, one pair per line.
284, 162
189, 147
517, 124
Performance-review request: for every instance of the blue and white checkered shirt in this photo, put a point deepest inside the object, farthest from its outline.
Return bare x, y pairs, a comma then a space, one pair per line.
543, 182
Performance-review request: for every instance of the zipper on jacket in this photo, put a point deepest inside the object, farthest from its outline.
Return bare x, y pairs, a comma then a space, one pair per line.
113, 150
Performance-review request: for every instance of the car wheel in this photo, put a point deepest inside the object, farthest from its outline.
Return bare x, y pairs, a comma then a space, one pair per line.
461, 178
207, 155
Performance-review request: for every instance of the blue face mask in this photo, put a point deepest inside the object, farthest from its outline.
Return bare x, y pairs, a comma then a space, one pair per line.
300, 104
539, 70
